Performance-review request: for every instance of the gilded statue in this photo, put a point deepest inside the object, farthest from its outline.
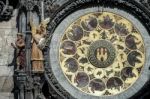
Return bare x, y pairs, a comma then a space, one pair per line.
38, 39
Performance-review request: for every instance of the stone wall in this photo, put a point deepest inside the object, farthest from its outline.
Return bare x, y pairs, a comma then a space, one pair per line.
8, 32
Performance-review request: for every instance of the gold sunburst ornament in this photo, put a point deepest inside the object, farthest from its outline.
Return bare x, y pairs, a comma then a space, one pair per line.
102, 54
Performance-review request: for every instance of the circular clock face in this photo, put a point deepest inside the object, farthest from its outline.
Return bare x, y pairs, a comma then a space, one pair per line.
102, 54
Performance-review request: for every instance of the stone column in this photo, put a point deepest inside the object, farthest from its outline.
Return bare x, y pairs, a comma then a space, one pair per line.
28, 90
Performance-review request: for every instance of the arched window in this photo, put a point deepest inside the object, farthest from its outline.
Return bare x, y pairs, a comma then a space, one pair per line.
35, 18
22, 22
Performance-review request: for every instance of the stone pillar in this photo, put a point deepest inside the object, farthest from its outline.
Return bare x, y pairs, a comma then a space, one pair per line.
29, 83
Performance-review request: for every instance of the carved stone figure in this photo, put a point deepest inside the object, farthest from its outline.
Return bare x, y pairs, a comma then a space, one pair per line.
38, 39
6, 10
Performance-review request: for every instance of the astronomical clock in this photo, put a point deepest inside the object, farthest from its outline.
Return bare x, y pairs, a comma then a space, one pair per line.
84, 49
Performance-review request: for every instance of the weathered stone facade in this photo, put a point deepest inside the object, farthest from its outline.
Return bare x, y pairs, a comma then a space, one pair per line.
8, 32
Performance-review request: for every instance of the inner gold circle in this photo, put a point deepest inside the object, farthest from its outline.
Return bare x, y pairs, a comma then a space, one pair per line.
101, 53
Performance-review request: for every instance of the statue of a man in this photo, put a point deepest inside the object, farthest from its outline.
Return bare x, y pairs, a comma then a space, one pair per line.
19, 46
38, 37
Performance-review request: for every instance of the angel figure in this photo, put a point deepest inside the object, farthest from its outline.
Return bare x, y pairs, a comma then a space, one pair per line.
38, 38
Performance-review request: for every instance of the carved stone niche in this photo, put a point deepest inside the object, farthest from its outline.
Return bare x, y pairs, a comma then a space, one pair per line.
60, 87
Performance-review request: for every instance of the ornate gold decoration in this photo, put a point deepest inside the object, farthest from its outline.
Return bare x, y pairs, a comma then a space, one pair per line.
102, 54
